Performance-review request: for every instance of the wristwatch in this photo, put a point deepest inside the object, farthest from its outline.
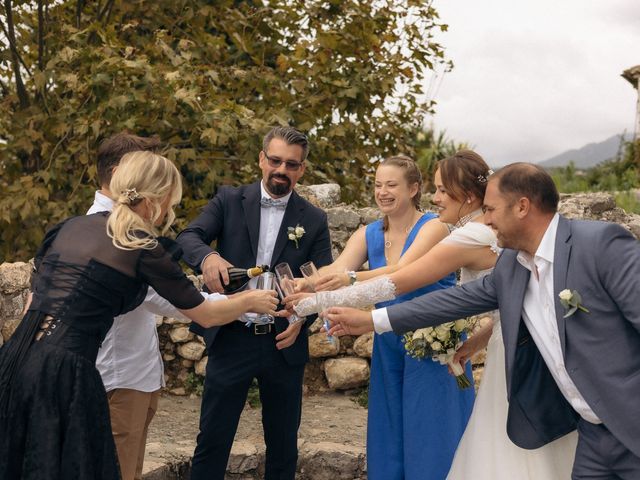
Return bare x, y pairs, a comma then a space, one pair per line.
352, 277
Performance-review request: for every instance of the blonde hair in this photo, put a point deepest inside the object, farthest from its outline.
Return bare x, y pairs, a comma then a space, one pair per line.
142, 178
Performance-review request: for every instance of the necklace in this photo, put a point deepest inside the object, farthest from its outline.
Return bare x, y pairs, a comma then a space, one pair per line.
407, 229
467, 218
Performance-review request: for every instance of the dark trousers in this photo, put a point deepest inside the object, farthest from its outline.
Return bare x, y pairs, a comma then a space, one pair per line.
601, 456
237, 357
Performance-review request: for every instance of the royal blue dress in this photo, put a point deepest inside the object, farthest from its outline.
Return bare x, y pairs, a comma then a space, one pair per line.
417, 413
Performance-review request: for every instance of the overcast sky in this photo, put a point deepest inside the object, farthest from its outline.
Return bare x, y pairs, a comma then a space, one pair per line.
533, 78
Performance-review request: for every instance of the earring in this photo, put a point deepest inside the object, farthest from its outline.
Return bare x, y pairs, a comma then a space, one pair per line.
468, 200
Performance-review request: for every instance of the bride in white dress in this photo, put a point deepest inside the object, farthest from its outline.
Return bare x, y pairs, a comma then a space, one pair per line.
485, 451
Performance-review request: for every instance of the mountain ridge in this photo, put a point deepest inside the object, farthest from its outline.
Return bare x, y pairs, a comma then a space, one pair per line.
588, 155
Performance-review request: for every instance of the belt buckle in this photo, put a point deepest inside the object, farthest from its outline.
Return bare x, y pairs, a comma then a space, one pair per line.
261, 328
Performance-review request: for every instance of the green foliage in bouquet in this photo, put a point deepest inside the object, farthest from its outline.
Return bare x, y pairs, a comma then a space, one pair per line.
440, 344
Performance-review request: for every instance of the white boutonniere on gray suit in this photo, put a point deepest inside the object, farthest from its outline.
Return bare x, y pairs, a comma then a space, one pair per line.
571, 301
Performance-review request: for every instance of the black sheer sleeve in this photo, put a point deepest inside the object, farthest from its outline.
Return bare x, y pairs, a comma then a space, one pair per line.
49, 237
159, 268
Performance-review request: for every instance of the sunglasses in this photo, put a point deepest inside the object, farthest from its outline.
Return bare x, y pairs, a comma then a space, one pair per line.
288, 164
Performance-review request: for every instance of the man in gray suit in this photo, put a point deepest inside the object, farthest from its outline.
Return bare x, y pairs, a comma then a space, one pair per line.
566, 366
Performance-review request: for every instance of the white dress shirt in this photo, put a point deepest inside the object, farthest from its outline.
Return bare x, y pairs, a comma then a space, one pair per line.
270, 222
129, 356
539, 316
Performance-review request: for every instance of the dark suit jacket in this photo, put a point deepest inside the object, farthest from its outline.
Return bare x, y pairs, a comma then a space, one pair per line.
232, 218
601, 348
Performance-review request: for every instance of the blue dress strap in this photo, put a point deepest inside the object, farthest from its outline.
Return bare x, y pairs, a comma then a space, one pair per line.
375, 251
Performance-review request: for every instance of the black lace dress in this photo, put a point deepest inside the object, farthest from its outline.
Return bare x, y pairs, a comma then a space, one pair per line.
54, 416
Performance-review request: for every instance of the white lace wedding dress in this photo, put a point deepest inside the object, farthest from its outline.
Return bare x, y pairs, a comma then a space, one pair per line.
485, 451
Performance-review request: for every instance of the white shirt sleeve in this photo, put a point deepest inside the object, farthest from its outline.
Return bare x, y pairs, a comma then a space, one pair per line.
156, 304
381, 323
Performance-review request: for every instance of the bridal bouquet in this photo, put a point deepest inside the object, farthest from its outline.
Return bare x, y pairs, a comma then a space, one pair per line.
440, 343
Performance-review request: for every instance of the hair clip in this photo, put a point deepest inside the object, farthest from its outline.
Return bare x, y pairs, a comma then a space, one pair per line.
484, 178
132, 196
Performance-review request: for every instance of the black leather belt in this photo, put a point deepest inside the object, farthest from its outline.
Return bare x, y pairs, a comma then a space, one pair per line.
254, 328
262, 328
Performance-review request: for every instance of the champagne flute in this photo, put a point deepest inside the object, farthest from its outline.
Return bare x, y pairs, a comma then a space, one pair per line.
287, 285
266, 281
311, 275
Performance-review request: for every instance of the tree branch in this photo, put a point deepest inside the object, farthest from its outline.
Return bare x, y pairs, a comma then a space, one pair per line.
79, 7
15, 57
40, 36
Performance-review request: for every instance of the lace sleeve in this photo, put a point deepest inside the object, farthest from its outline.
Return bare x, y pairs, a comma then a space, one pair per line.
359, 295
473, 234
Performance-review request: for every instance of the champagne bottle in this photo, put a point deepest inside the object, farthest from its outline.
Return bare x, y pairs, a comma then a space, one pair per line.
239, 277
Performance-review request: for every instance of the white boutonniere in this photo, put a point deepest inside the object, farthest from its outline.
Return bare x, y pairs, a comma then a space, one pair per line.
295, 233
571, 301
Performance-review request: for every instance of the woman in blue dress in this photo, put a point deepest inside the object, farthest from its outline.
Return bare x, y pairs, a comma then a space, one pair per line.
417, 413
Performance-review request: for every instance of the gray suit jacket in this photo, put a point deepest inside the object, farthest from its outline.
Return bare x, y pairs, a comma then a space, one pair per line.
601, 348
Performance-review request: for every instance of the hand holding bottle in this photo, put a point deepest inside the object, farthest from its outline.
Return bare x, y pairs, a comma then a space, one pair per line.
214, 272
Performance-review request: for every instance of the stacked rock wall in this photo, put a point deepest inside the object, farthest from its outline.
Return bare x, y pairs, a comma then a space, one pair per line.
341, 365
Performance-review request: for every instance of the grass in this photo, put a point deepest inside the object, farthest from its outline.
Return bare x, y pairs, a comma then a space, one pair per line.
194, 384
628, 201
362, 398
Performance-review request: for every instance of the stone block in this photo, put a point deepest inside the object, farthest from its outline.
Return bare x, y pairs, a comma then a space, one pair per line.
201, 366
343, 217
369, 215
9, 327
363, 346
191, 350
14, 277
180, 334
332, 461
12, 304
244, 457
347, 372
315, 326
320, 346
175, 321
324, 195
346, 344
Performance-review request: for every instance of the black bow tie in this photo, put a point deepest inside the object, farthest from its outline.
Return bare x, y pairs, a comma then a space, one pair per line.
271, 203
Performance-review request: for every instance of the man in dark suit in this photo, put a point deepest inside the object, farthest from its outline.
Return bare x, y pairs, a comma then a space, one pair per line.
567, 291
250, 225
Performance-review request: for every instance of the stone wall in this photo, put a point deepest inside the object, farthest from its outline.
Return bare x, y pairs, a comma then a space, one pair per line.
341, 365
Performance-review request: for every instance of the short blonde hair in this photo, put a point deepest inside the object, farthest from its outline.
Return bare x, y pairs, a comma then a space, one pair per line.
142, 177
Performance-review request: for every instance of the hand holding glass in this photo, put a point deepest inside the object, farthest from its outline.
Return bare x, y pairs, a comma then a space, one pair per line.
311, 275
287, 284
266, 281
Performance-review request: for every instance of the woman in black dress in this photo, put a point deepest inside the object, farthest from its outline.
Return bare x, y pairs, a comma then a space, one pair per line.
54, 417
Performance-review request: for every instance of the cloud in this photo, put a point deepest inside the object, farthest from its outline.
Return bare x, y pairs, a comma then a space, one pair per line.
533, 79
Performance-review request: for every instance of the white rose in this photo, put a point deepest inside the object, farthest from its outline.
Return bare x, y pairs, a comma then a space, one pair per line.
299, 232
436, 346
292, 236
460, 325
442, 333
565, 295
420, 333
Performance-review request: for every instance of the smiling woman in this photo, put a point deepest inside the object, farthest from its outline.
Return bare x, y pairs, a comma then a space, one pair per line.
398, 431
